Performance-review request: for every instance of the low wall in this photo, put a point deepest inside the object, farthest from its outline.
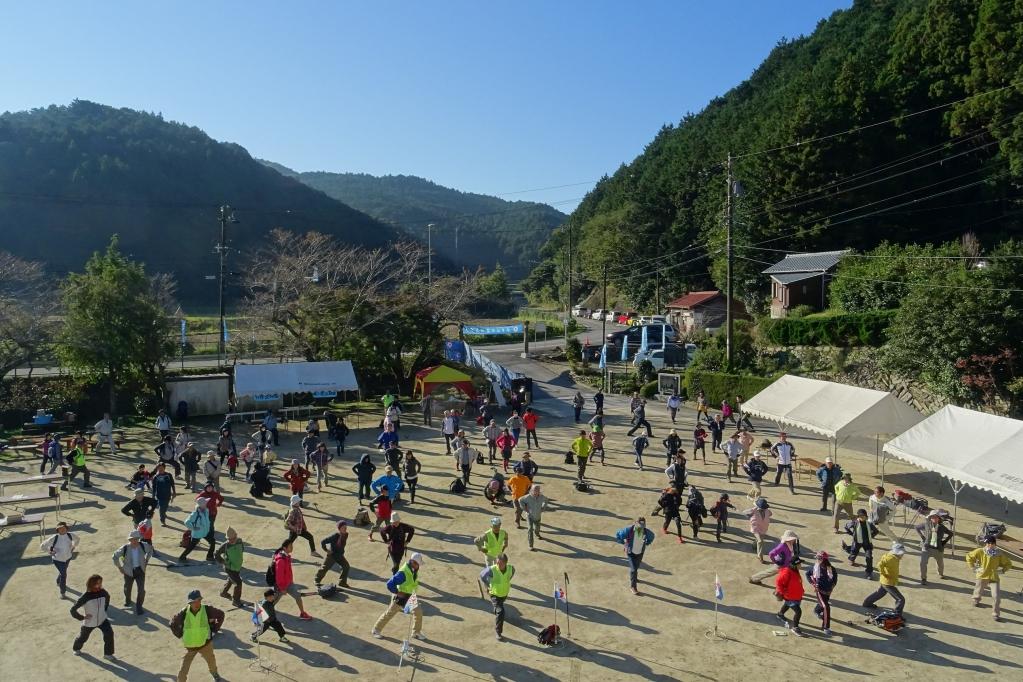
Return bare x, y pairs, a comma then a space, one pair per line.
206, 394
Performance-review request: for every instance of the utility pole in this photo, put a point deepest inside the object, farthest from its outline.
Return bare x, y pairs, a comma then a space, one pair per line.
569, 305
657, 293
728, 270
224, 216
603, 330
429, 256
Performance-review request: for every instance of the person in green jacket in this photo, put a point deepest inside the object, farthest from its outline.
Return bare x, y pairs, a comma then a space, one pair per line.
77, 458
494, 542
232, 554
195, 625
498, 580
846, 492
582, 447
987, 562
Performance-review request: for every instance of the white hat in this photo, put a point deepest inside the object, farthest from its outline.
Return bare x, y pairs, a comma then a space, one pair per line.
395, 517
416, 557
828, 460
789, 535
134, 535
295, 499
496, 521
898, 549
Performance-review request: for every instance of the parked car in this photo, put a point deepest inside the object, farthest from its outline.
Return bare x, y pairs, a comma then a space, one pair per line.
635, 336
598, 314
612, 315
626, 318
581, 311
672, 355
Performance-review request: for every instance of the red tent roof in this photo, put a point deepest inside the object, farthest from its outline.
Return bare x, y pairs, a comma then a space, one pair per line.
694, 299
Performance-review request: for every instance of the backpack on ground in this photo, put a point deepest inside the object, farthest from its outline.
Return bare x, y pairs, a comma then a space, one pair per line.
888, 620
582, 486
569, 457
457, 486
271, 573
327, 591
918, 504
990, 528
186, 539
479, 457
549, 636
361, 517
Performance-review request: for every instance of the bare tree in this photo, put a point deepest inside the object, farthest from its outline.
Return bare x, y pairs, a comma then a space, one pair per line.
27, 303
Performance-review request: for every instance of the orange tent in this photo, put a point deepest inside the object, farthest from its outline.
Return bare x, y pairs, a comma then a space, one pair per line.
432, 377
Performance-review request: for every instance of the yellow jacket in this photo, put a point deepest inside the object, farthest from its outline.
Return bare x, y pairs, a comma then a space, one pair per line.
582, 446
986, 567
888, 567
846, 493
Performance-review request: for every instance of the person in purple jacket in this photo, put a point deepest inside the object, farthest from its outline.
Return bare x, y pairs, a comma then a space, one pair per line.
782, 555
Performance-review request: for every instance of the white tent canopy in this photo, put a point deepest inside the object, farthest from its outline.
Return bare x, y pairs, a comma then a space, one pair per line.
838, 411
294, 377
973, 448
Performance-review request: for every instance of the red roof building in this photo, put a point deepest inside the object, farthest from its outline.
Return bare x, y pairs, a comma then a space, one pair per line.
701, 310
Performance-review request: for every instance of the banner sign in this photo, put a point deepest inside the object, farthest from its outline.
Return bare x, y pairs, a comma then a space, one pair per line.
184, 341
492, 331
324, 394
454, 351
265, 397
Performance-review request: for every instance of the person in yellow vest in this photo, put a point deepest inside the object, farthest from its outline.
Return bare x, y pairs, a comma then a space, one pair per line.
581, 448
498, 580
846, 492
76, 456
195, 625
493, 542
987, 562
403, 586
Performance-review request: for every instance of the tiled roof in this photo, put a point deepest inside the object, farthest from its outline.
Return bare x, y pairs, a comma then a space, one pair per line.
806, 262
694, 299
793, 277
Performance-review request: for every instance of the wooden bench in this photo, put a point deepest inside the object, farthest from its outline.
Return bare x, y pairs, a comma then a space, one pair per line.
52, 493
29, 519
806, 465
41, 478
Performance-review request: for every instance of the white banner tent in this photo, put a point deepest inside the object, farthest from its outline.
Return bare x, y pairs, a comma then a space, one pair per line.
294, 377
968, 448
837, 411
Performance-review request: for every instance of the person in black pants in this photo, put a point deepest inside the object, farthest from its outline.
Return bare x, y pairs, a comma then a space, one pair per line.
94, 601
639, 415
412, 469
364, 471
829, 475
267, 606
670, 502
717, 430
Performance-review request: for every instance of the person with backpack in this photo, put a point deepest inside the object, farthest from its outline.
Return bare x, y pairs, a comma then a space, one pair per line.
788, 588
697, 510
493, 542
231, 555
280, 576
199, 526
581, 448
61, 547
529, 420
334, 553
164, 490
211, 470
131, 560
672, 445
76, 458
759, 522
402, 585
578, 402
381, 506
823, 577
94, 602
635, 538
862, 532
266, 614
669, 502
700, 442
189, 459
497, 579
888, 568
397, 535
720, 513
195, 626
506, 442
364, 471
755, 470
828, 475
933, 538
294, 523
783, 554
163, 424
297, 476
140, 508
987, 562
639, 444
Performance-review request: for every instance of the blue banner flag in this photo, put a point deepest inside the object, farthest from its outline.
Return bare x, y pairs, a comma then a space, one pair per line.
225, 331
664, 337
184, 342
643, 340
719, 592
474, 330
603, 356
625, 348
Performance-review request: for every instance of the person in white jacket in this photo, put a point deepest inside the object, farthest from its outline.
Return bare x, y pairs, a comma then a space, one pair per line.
163, 424
105, 432
61, 547
881, 509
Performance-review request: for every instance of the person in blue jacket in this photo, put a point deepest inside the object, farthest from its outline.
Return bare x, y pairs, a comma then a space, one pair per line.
388, 438
635, 538
392, 481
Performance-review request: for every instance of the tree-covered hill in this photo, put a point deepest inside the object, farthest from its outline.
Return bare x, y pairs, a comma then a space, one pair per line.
895, 120
70, 176
488, 230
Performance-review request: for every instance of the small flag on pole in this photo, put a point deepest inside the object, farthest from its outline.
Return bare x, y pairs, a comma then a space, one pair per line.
225, 332
603, 356
719, 592
559, 594
625, 348
643, 340
259, 615
412, 604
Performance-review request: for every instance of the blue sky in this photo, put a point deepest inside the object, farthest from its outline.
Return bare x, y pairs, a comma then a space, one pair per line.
481, 96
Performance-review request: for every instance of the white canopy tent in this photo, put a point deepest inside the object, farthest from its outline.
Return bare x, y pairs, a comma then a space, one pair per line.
968, 448
837, 411
294, 377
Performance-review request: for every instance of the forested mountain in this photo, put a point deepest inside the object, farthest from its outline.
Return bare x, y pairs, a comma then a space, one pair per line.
469, 229
70, 176
898, 121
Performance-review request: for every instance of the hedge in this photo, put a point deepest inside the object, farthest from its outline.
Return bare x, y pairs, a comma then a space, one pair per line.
718, 386
846, 329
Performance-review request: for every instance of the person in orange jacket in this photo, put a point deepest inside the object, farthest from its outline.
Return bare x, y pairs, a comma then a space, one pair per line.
788, 588
529, 420
296, 476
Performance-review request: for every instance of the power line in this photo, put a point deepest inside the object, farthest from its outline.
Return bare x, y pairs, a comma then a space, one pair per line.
867, 255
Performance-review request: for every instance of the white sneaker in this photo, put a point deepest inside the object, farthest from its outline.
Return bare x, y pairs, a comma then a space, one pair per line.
376, 634
420, 636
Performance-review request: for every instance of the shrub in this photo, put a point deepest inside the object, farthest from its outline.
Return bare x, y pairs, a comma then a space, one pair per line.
718, 386
646, 371
800, 311
649, 389
574, 350
849, 329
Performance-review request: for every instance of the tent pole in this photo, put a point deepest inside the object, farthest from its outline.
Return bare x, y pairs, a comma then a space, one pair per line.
955, 511
877, 452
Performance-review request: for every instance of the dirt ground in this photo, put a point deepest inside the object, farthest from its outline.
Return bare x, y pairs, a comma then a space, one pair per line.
667, 633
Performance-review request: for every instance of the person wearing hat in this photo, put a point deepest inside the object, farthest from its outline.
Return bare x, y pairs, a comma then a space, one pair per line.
846, 492
635, 538
94, 601
164, 490
402, 585
784, 553
498, 579
828, 475
733, 451
888, 568
198, 524
61, 547
759, 521
672, 446
334, 548
189, 459
397, 535
720, 513
987, 562
533, 505
493, 542
756, 469
232, 555
823, 576
131, 560
529, 467
862, 532
670, 502
519, 485
140, 508
195, 626
295, 524
391, 481
296, 476
933, 538
785, 453
788, 588
211, 469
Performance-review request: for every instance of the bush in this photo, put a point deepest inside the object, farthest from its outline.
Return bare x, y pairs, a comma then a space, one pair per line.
649, 389
801, 311
646, 371
718, 386
574, 350
849, 329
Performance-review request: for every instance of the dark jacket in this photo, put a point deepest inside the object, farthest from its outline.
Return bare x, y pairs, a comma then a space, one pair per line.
869, 531
529, 468
412, 468
364, 469
261, 480
672, 444
163, 486
720, 510
670, 503
190, 458
139, 510
335, 544
397, 537
214, 616
755, 469
827, 580
394, 455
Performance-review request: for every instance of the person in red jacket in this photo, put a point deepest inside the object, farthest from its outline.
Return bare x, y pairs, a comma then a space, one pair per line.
529, 420
214, 501
296, 476
788, 588
284, 580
